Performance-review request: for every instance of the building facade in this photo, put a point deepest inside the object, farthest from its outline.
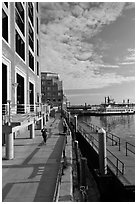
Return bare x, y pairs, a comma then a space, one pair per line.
51, 89
21, 80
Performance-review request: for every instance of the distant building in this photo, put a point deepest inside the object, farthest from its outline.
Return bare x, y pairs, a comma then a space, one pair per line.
21, 81
51, 89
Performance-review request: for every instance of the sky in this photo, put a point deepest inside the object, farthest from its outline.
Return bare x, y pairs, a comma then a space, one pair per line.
91, 46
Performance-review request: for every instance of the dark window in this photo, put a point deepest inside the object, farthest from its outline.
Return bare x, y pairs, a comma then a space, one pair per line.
31, 61
31, 37
6, 3
30, 11
20, 46
31, 96
4, 25
37, 98
4, 84
38, 68
37, 26
19, 11
37, 6
37, 48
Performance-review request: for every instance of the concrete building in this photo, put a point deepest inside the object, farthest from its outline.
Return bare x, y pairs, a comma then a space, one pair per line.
21, 80
51, 89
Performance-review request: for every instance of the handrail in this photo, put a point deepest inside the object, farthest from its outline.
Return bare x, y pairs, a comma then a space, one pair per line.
127, 149
109, 135
11, 110
118, 161
21, 108
61, 167
58, 181
112, 138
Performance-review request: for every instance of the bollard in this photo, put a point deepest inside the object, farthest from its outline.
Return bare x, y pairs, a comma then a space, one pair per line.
75, 123
9, 146
32, 131
102, 152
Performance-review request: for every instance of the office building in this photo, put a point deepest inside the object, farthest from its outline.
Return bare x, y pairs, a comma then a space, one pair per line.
51, 89
21, 80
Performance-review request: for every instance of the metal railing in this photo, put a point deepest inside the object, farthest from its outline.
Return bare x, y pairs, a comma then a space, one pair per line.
9, 110
132, 148
61, 167
118, 164
115, 140
58, 182
89, 137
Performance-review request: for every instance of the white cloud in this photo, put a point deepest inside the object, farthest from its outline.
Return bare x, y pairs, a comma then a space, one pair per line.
129, 58
64, 49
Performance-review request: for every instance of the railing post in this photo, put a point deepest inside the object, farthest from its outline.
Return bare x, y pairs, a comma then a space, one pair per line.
9, 111
75, 123
102, 152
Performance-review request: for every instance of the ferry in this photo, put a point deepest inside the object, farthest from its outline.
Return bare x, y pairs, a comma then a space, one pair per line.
112, 108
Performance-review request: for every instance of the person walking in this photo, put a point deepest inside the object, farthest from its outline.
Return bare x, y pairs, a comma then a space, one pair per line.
44, 135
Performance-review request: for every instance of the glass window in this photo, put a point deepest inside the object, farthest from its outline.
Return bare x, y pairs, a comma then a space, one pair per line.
38, 68
4, 25
31, 37
37, 26
31, 61
37, 48
37, 6
30, 11
19, 13
6, 3
20, 46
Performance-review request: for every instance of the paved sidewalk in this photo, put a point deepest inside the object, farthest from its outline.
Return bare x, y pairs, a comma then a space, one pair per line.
31, 175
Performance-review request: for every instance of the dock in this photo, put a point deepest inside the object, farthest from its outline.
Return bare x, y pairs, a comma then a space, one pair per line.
122, 165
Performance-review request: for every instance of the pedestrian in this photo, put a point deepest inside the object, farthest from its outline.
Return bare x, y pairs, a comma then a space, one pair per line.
44, 135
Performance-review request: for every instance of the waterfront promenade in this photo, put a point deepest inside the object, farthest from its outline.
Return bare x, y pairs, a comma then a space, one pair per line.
31, 176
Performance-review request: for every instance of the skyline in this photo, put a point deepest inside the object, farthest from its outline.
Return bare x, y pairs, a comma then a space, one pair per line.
92, 47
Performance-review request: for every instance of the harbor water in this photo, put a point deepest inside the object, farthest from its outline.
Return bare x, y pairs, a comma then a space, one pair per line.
122, 126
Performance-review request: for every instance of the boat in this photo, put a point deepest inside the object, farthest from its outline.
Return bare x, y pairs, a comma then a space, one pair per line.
110, 107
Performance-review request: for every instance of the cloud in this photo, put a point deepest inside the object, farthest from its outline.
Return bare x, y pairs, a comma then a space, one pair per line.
66, 28
129, 58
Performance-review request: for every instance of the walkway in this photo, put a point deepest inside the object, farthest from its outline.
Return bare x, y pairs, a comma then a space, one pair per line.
31, 175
